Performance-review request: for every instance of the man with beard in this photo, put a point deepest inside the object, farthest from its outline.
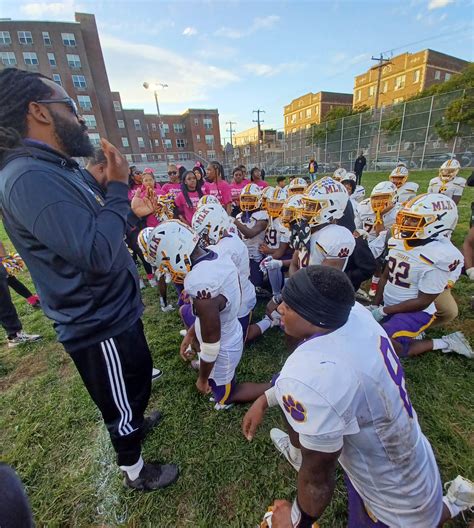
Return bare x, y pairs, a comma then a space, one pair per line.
71, 238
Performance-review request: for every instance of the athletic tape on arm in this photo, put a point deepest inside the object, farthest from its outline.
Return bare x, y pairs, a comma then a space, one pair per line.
210, 351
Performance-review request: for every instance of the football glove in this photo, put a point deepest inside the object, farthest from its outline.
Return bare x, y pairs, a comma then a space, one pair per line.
270, 263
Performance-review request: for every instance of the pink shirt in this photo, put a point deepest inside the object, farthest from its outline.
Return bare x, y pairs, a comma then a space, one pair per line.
132, 190
235, 189
172, 188
183, 207
221, 191
261, 183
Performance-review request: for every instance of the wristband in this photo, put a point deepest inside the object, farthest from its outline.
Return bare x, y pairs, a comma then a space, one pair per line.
299, 518
270, 395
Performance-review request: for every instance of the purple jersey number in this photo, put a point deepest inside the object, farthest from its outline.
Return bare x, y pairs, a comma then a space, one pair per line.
398, 277
271, 237
395, 370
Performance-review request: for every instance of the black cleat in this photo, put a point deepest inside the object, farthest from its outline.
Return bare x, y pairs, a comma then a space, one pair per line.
153, 477
150, 422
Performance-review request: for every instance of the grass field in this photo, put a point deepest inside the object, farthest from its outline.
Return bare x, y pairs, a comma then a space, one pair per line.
52, 434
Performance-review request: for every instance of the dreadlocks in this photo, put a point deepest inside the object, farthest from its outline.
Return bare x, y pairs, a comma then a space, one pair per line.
18, 88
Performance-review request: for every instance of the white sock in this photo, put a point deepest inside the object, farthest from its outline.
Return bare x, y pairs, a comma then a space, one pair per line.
295, 454
264, 324
133, 471
439, 344
454, 509
162, 302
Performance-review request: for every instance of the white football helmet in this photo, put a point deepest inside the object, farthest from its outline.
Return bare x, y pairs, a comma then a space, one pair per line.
250, 197
275, 202
339, 174
401, 164
383, 195
399, 176
207, 199
265, 194
324, 201
426, 216
291, 210
210, 222
296, 186
143, 238
449, 170
349, 176
170, 246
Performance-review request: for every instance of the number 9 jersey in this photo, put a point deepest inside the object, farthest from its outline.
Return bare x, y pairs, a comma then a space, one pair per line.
417, 269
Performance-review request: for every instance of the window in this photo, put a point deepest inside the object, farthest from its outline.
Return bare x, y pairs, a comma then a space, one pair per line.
183, 156
68, 39
301, 115
8, 58
447, 76
385, 87
198, 137
371, 91
125, 142
398, 100
73, 61
157, 143
153, 127
287, 120
46, 39
137, 124
165, 128
170, 157
5, 37
117, 106
207, 122
95, 139
400, 82
416, 76
209, 140
52, 60
178, 128
141, 143
211, 154
308, 113
196, 121
180, 143
25, 37
30, 58
293, 118
90, 120
316, 110
84, 102
128, 157
167, 143
57, 79
120, 123
79, 81
437, 75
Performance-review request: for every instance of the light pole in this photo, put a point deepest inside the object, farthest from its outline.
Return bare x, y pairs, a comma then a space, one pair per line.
147, 85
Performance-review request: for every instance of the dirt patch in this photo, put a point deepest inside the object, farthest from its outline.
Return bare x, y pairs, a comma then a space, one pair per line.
28, 367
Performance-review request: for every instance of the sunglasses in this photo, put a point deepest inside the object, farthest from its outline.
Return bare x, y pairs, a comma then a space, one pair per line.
172, 173
68, 101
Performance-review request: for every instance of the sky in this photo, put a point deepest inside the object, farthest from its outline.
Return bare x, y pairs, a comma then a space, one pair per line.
241, 55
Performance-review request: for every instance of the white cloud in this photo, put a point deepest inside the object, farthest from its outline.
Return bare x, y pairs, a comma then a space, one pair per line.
190, 31
267, 70
344, 59
189, 80
258, 23
52, 10
437, 4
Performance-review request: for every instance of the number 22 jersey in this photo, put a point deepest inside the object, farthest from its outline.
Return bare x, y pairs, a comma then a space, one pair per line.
419, 269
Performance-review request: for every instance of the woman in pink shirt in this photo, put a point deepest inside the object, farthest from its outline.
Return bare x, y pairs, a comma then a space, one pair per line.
187, 200
145, 202
217, 186
256, 177
173, 186
134, 182
237, 184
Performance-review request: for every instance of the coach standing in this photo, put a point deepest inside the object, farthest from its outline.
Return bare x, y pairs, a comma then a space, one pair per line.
359, 166
71, 239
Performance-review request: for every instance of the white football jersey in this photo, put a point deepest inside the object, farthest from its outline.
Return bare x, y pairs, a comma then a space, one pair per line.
359, 193
276, 234
330, 242
423, 268
211, 276
254, 243
407, 191
365, 218
454, 187
233, 246
346, 390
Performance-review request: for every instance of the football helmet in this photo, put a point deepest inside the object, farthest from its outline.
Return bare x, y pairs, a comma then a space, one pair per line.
291, 210
426, 216
250, 197
143, 238
324, 201
275, 202
383, 195
449, 170
399, 176
296, 186
265, 194
349, 176
339, 174
169, 248
210, 222
207, 199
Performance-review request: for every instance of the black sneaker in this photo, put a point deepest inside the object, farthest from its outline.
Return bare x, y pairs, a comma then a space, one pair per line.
150, 422
153, 476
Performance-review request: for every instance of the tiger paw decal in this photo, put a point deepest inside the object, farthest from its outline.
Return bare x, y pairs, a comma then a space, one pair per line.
344, 252
294, 408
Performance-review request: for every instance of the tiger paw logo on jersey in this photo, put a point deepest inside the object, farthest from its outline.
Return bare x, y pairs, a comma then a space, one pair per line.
203, 294
343, 253
294, 408
454, 265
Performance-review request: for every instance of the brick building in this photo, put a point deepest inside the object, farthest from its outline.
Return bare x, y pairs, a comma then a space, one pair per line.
310, 109
405, 76
245, 148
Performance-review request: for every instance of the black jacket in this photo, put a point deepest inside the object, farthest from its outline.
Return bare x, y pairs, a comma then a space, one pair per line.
70, 235
359, 164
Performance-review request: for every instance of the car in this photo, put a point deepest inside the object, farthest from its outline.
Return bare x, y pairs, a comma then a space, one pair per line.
436, 160
389, 163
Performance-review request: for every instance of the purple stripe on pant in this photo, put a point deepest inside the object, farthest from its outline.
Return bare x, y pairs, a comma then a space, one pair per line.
245, 323
409, 322
358, 516
186, 312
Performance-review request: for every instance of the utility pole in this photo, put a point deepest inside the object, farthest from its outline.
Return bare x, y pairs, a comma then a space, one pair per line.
258, 121
381, 63
231, 132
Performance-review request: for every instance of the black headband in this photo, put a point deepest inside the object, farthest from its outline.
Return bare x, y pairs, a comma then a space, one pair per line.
304, 298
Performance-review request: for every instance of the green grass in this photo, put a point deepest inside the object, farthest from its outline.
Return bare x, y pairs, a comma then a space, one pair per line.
52, 434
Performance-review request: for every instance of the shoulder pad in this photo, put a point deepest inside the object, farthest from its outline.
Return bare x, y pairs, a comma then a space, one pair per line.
442, 255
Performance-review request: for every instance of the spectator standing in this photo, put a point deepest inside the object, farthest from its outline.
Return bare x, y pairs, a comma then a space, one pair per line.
359, 166
236, 186
187, 200
312, 169
256, 177
217, 186
172, 187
